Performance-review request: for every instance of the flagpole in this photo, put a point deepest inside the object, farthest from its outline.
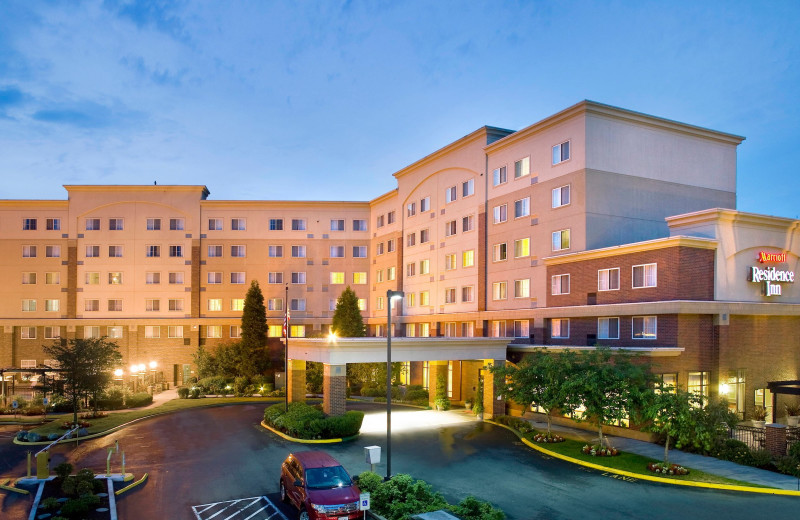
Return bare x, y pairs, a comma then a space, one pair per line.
286, 350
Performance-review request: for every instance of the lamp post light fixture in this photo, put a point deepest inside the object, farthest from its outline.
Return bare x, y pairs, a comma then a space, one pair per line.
390, 295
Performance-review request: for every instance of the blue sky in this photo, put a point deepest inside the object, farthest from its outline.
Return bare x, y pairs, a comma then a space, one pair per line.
305, 100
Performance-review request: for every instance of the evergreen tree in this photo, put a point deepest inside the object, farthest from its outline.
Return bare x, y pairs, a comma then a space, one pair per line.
347, 319
254, 332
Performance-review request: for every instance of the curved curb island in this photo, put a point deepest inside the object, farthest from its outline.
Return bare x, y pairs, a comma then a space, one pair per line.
307, 441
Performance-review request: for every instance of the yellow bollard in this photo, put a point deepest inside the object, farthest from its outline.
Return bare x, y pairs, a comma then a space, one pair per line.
29, 464
43, 465
123, 464
108, 461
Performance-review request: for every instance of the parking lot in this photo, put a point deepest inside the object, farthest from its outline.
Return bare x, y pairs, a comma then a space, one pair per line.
253, 508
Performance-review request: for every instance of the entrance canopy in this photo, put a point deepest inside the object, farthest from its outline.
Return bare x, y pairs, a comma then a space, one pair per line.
339, 351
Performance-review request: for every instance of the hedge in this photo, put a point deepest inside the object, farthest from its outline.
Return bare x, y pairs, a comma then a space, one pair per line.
307, 422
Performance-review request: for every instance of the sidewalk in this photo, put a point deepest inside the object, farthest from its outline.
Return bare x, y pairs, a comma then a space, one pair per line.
722, 468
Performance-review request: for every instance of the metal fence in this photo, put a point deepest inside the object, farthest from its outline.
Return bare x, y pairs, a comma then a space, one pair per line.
753, 436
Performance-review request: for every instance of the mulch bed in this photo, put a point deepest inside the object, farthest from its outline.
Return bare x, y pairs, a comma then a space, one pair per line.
52, 488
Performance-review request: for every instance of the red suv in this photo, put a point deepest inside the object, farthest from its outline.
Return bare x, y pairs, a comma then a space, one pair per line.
317, 485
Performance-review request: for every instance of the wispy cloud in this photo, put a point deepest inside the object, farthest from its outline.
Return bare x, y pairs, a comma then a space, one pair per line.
159, 76
156, 14
85, 114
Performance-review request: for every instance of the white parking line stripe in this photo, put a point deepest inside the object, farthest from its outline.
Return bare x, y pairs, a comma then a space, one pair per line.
233, 503
254, 514
205, 507
245, 507
277, 511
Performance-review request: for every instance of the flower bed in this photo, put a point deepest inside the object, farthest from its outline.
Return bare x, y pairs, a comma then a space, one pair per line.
547, 438
68, 425
664, 469
595, 450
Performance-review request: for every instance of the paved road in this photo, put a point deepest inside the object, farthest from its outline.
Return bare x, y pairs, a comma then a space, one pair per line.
207, 456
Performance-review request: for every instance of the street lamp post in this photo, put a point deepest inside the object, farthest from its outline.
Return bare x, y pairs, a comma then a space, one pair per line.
286, 351
390, 295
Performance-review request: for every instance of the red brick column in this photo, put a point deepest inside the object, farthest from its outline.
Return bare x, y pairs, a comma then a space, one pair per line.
776, 439
296, 381
493, 404
334, 389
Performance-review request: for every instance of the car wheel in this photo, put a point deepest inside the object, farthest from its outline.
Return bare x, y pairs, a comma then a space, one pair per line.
284, 495
303, 514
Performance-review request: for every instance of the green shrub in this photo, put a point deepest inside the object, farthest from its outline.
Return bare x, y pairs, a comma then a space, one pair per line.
213, 385
402, 496
69, 486
734, 451
761, 458
183, 392
50, 503
242, 387
296, 422
138, 399
22, 403
308, 422
272, 413
368, 482
91, 500
74, 508
473, 509
416, 395
413, 388
34, 437
112, 399
84, 488
22, 435
788, 465
369, 391
195, 393
345, 425
379, 400
63, 470
794, 451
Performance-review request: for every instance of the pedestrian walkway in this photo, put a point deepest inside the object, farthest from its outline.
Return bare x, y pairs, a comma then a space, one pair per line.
722, 468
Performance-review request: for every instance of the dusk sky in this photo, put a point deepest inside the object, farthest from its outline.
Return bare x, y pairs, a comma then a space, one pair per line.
324, 101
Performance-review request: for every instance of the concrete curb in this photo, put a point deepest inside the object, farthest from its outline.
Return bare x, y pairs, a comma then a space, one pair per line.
307, 441
660, 480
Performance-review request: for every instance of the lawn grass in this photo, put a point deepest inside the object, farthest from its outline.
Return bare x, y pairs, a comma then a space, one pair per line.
117, 418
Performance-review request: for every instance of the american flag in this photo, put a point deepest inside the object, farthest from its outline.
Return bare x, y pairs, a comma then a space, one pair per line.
286, 323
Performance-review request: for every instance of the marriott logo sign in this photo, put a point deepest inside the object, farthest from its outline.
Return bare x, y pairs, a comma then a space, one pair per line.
771, 277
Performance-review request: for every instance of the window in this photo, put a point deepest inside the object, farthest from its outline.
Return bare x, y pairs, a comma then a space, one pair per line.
425, 205
379, 275
29, 251
450, 228
238, 251
607, 328
424, 266
467, 223
115, 278
560, 240
411, 239
91, 332
522, 247
91, 305
450, 194
379, 249
115, 251
379, 303
115, 305
522, 288
114, 332
154, 224
215, 304
238, 224
52, 251
214, 277
362, 304
359, 278
277, 251
176, 251
390, 273
644, 276
559, 328
411, 299
52, 278
152, 331
238, 278
359, 225
560, 196
424, 236
559, 284
468, 293
214, 331
379, 222
411, 269
337, 278
522, 167
498, 328
500, 214
298, 304
468, 258
390, 245
499, 176
152, 278
53, 224
28, 278
152, 305
299, 277
499, 291
521, 328
337, 224
297, 331
698, 383
175, 331
450, 329
175, 304
468, 188
275, 304
92, 278
175, 278
522, 207
298, 224
276, 224
608, 279
297, 252
55, 332
467, 329
390, 217
237, 304
411, 330
176, 224
236, 331
411, 209
643, 327
215, 224
450, 295
116, 224
500, 252
92, 224
450, 262
214, 251
29, 224
359, 251
424, 298
561, 152
53, 305
424, 330
337, 251
153, 251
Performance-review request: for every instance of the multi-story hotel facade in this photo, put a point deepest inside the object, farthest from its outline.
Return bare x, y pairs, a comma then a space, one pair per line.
596, 225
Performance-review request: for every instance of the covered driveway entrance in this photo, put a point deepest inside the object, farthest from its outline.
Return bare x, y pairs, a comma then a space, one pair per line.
334, 354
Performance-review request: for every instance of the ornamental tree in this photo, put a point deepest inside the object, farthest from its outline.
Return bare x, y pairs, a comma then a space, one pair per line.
672, 412
251, 354
540, 378
347, 320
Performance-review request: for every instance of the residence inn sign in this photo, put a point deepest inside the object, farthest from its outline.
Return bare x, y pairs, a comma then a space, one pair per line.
771, 276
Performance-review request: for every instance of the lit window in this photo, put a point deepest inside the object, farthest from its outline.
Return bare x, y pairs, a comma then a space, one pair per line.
153, 224
214, 251
561, 152
30, 251
175, 331
468, 293
468, 258
337, 224
390, 273
53, 305
275, 331
607, 328
29, 224
362, 304
175, 304
152, 251
359, 251
522, 247
52, 278
500, 252
52, 251
116, 224
450, 262
359, 278
425, 205
644, 276
115, 251
214, 331
114, 332
152, 331
522, 288
468, 188
238, 251
275, 304
299, 277
499, 291
608, 279
337, 251
92, 224
559, 284
92, 278
643, 327
238, 278
561, 240
337, 278
450, 228
53, 224
237, 304
297, 331
115, 278
115, 305
215, 224
424, 266
498, 328
176, 251
359, 225
277, 251
424, 330
176, 224
214, 277
411, 330
379, 303
238, 224
152, 305
175, 278
276, 224
522, 207
215, 304
236, 331
560, 196
522, 167
559, 328
28, 278
499, 176
467, 223
500, 214
379, 275
91, 305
